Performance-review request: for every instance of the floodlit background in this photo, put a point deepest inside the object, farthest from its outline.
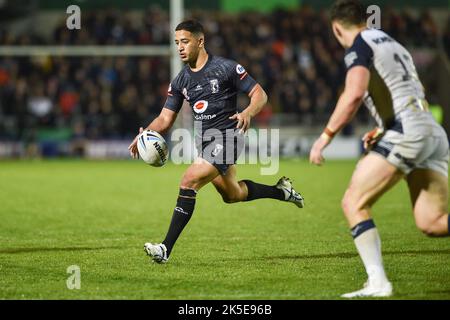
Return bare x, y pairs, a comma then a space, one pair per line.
71, 97
91, 104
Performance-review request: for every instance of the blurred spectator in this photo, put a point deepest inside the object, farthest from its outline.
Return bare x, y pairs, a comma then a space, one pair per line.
293, 54
446, 37
39, 105
78, 140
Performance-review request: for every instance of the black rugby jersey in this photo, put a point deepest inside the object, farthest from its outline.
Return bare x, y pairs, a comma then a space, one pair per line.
211, 92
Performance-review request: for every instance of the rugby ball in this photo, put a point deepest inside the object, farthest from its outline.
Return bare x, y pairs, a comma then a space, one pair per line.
152, 148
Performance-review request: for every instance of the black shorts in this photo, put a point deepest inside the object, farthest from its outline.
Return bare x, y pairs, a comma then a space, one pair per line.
222, 151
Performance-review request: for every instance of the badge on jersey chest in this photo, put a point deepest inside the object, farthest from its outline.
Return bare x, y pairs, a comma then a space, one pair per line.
214, 85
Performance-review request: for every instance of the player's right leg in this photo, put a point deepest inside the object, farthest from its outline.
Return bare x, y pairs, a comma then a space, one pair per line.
373, 176
233, 191
229, 188
196, 176
429, 197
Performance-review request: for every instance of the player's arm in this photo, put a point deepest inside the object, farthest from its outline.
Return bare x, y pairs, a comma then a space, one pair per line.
166, 118
258, 98
160, 124
163, 122
356, 85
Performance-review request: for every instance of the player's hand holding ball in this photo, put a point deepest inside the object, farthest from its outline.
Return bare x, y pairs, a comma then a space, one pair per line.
133, 146
151, 147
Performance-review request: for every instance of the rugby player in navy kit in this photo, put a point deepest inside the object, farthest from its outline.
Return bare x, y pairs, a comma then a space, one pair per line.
210, 84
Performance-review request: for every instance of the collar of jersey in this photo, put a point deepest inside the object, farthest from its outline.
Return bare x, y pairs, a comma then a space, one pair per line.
203, 68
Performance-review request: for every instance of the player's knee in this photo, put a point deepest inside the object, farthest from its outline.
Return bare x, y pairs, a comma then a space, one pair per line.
353, 207
189, 181
348, 204
345, 205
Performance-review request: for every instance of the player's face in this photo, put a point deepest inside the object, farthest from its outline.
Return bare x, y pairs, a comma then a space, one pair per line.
188, 45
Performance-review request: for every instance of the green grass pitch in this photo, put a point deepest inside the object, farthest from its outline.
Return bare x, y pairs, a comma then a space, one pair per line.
97, 215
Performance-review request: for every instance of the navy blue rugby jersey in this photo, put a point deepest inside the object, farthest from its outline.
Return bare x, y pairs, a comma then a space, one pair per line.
211, 92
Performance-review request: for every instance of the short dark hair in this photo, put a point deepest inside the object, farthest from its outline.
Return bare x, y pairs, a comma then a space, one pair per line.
348, 12
193, 26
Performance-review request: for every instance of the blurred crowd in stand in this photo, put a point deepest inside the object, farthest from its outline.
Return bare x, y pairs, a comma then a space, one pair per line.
293, 54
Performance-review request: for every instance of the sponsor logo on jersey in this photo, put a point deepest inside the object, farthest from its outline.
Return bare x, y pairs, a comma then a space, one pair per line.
240, 69
350, 58
200, 106
214, 85
198, 88
200, 117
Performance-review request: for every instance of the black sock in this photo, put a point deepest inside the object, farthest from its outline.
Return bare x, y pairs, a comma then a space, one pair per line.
261, 191
181, 216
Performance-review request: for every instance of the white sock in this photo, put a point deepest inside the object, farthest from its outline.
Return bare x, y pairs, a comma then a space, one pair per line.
368, 244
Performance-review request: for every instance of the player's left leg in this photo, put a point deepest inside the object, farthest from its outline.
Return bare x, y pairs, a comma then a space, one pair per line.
428, 187
233, 190
373, 176
429, 197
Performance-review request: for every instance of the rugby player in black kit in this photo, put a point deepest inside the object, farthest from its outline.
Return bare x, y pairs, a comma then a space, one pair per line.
210, 84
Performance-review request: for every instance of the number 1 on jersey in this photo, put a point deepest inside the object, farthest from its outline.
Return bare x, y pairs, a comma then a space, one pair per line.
398, 59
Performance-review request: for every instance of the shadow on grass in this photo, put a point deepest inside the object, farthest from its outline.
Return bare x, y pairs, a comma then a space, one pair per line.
347, 255
342, 255
443, 292
49, 249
